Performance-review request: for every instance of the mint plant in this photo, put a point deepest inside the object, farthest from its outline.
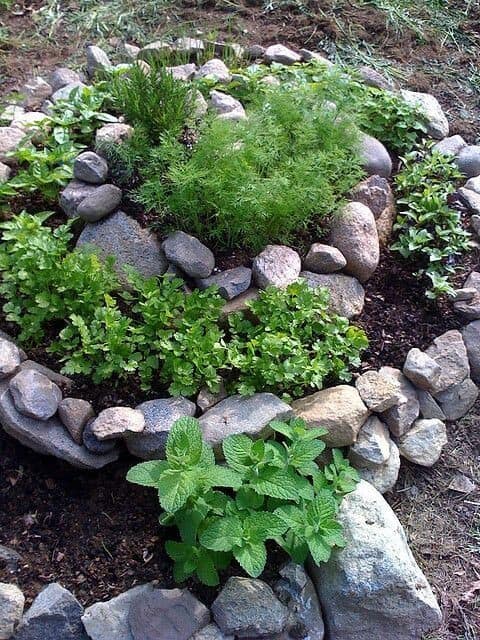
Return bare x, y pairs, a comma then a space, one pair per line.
266, 490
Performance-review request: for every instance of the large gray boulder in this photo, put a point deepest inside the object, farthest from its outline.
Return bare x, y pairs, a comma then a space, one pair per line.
347, 296
374, 157
424, 442
436, 121
376, 194
276, 266
468, 161
189, 254
34, 395
12, 602
231, 283
450, 353
373, 588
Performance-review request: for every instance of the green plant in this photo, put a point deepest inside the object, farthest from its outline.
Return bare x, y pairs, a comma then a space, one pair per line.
430, 233
272, 497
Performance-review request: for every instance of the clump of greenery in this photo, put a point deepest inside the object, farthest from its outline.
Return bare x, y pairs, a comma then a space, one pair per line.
430, 233
277, 491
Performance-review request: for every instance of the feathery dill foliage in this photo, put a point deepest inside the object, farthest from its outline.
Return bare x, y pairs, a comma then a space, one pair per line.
260, 180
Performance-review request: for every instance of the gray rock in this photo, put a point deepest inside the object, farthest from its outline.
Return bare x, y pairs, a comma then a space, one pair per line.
189, 254
400, 417
231, 283
458, 400
385, 476
131, 245
355, 220
207, 399
473, 184
347, 296
59, 379
379, 390
297, 592
255, 51
374, 157
322, 258
112, 133
97, 60
373, 78
210, 632
130, 51
450, 146
228, 49
281, 54
34, 92
437, 123
73, 194
10, 358
428, 406
109, 620
338, 409
308, 55
34, 395
372, 447
463, 295
55, 613
182, 71
242, 414
61, 76
461, 484
376, 193
12, 602
422, 370
373, 588
450, 353
155, 51
215, 69
248, 608
5, 172
159, 416
90, 167
470, 310
470, 199
105, 199
9, 558
474, 222
66, 92
189, 45
10, 139
424, 442
74, 414
166, 614
94, 445
226, 106
471, 338
116, 422
276, 266
241, 302
468, 161
199, 104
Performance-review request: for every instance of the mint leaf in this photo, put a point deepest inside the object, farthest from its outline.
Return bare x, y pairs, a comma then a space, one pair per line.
206, 570
292, 516
218, 476
247, 498
252, 558
222, 534
184, 442
262, 526
275, 483
319, 549
148, 473
174, 489
237, 450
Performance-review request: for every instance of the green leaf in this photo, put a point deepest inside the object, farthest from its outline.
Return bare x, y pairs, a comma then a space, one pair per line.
222, 534
319, 549
275, 483
263, 525
218, 476
247, 498
206, 570
252, 558
147, 474
184, 442
292, 516
174, 489
237, 450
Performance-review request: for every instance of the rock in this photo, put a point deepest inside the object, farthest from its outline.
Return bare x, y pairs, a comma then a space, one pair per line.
34, 92
73, 194
468, 161
471, 339
436, 121
231, 283
474, 221
109, 620
461, 484
422, 370
355, 220
424, 442
242, 414
60, 380
68, 91
463, 295
12, 602
97, 60
112, 133
199, 104
255, 51
470, 310
276, 266
90, 167
226, 106
473, 184
207, 399
189, 254
131, 51
372, 447
470, 199
9, 558
347, 296
308, 55
10, 358
375, 159
339, 409
74, 414
10, 140
210, 632
281, 54
155, 51
385, 476
428, 406
183, 71
159, 416
450, 146
322, 258
400, 417
228, 49
34, 123
379, 391
61, 76
166, 614
131, 245
297, 592
189, 45
93, 444
105, 199
241, 302
376, 194
248, 608
373, 588
34, 395
116, 422
55, 613
450, 353
457, 401
216, 70
5, 172
373, 78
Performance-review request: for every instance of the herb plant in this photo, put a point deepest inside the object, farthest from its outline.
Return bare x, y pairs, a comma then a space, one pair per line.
266, 490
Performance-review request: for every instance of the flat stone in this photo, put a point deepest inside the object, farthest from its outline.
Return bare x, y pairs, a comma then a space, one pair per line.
12, 602
226, 106
347, 296
90, 167
10, 358
34, 92
322, 258
189, 254
73, 194
255, 51
104, 200
55, 613
429, 407
276, 266
130, 244
211, 632
422, 370
376, 194
308, 55
281, 54
159, 416
461, 484
10, 139
248, 608
373, 589
182, 71
372, 447
155, 51
74, 414
473, 184
189, 45
61, 76
97, 60
400, 417
379, 391
241, 302
66, 92
374, 157
242, 414
470, 310
34, 395
424, 442
471, 338
231, 283
112, 133
463, 295
59, 379
468, 161
450, 146
450, 353
436, 121
470, 199
116, 422
373, 78
166, 614
458, 400
339, 409
383, 477
215, 69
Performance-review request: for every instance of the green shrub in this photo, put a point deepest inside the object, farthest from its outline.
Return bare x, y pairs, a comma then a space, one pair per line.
276, 492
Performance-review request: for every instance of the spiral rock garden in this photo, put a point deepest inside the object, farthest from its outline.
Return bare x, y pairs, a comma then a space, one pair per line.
199, 238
